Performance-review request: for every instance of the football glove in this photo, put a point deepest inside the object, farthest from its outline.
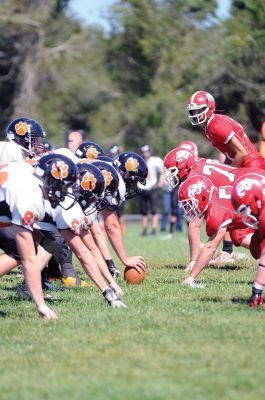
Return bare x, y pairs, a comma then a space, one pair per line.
112, 299
113, 269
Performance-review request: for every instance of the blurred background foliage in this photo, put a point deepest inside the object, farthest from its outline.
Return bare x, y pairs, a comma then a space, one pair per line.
131, 85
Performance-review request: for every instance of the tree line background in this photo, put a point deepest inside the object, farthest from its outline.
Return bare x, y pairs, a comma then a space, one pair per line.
131, 85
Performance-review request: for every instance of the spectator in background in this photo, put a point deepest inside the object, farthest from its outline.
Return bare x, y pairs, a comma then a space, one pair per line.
166, 207
74, 139
149, 195
171, 211
113, 151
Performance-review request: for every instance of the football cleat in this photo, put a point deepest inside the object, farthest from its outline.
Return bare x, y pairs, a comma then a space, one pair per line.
69, 281
223, 258
47, 285
112, 299
256, 301
23, 292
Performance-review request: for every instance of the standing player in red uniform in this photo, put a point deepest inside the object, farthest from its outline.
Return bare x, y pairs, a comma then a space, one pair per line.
224, 133
227, 136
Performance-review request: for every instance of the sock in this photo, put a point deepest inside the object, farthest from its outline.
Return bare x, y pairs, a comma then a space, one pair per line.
228, 246
171, 229
257, 289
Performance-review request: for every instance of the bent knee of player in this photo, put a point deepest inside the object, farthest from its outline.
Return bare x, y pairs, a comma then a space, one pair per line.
246, 241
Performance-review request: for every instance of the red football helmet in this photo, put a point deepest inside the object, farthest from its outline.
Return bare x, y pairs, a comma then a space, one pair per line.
247, 198
178, 163
195, 195
201, 107
189, 145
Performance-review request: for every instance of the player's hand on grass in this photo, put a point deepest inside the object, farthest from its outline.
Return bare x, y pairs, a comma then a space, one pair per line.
46, 312
190, 265
136, 262
190, 281
112, 299
117, 289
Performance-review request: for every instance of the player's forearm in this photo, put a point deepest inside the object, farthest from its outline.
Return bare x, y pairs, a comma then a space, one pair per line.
238, 160
33, 280
90, 244
207, 252
194, 240
91, 268
85, 258
205, 256
115, 236
100, 241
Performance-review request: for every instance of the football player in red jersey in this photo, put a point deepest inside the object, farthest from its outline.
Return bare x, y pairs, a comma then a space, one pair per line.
225, 134
199, 197
189, 145
180, 164
249, 202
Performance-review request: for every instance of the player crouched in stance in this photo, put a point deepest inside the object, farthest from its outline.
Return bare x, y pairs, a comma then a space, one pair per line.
199, 197
72, 220
23, 193
131, 169
181, 164
249, 202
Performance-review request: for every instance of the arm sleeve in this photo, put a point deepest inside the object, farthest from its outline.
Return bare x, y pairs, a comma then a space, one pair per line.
216, 220
221, 131
72, 219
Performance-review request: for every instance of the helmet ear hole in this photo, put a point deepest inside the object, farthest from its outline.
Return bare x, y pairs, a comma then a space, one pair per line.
203, 198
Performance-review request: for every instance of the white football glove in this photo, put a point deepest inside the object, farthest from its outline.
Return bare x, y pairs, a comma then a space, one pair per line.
112, 299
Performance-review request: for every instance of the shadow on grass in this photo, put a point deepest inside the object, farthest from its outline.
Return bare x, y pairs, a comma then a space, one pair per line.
227, 282
3, 314
240, 300
16, 299
179, 266
228, 267
15, 272
214, 299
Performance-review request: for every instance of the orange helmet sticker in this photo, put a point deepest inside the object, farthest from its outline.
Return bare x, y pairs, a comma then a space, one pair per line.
22, 128
92, 152
59, 170
107, 176
88, 181
131, 164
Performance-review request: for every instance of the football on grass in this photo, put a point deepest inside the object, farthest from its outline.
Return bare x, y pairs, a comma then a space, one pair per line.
132, 276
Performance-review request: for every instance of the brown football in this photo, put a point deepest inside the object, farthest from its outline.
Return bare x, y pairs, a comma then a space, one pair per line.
132, 276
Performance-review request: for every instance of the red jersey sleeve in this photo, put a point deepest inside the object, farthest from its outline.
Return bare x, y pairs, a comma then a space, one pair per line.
217, 217
220, 130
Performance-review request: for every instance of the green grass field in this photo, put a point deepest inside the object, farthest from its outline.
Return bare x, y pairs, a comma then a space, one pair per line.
172, 342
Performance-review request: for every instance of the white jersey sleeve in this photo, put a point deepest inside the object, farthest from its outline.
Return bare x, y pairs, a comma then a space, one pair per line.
67, 153
89, 220
72, 219
9, 152
24, 200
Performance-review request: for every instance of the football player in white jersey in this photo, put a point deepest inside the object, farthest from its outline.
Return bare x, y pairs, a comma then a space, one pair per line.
72, 223
22, 194
25, 141
132, 170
